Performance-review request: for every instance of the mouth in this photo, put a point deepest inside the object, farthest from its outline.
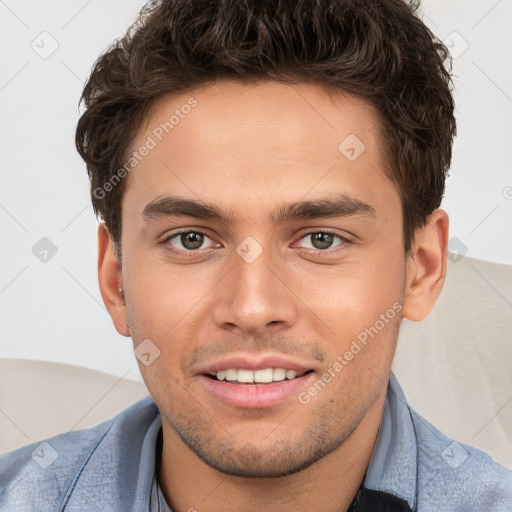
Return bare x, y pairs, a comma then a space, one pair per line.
255, 380
252, 377
255, 394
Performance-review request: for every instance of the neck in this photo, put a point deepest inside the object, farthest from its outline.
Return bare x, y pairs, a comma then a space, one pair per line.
328, 485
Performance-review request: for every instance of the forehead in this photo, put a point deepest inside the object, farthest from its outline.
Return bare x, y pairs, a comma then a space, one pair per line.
252, 144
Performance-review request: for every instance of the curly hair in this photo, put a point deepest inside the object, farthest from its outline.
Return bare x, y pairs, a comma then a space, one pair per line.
378, 50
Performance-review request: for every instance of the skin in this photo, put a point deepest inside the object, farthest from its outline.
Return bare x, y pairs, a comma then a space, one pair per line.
250, 149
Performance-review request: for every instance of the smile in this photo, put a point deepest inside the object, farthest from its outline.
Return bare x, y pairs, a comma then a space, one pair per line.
257, 376
246, 391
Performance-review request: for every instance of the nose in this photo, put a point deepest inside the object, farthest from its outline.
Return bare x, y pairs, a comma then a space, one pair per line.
254, 298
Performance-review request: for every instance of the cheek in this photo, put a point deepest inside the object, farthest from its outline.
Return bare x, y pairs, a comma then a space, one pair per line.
352, 296
163, 299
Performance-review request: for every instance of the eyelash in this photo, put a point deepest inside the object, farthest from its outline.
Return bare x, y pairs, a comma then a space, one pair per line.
191, 253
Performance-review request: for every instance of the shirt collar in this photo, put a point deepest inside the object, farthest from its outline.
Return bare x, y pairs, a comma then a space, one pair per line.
393, 465
118, 471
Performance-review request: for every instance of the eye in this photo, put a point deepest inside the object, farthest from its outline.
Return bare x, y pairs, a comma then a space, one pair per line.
321, 240
187, 241
193, 241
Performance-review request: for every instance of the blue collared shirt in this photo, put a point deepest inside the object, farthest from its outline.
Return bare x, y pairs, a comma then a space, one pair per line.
111, 467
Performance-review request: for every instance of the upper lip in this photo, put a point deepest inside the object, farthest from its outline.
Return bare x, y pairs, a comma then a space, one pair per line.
253, 362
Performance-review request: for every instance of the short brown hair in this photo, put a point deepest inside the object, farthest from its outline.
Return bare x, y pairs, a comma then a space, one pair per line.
380, 51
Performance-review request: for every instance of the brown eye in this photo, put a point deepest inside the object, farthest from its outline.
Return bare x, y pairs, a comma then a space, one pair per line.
192, 240
321, 240
188, 241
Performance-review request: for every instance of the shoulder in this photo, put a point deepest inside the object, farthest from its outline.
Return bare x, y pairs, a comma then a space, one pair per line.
40, 475
455, 476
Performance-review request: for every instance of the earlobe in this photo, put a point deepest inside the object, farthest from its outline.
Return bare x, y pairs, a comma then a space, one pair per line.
110, 281
426, 267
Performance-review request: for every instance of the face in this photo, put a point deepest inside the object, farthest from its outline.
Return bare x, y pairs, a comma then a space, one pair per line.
252, 239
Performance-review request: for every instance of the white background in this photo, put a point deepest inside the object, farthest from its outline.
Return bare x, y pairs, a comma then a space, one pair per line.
53, 311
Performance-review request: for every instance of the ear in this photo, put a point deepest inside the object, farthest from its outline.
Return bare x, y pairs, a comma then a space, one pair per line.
110, 280
426, 267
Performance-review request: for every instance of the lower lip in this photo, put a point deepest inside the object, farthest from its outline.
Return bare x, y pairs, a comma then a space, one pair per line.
255, 396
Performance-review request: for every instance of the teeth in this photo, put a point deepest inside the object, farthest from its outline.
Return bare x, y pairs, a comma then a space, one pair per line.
278, 374
245, 376
291, 374
230, 374
258, 376
263, 375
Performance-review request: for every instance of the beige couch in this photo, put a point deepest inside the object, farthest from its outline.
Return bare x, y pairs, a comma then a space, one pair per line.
455, 368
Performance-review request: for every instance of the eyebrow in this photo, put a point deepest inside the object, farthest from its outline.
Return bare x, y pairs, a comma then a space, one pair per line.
339, 205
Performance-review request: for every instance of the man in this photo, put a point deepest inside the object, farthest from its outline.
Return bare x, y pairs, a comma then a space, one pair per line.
269, 174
